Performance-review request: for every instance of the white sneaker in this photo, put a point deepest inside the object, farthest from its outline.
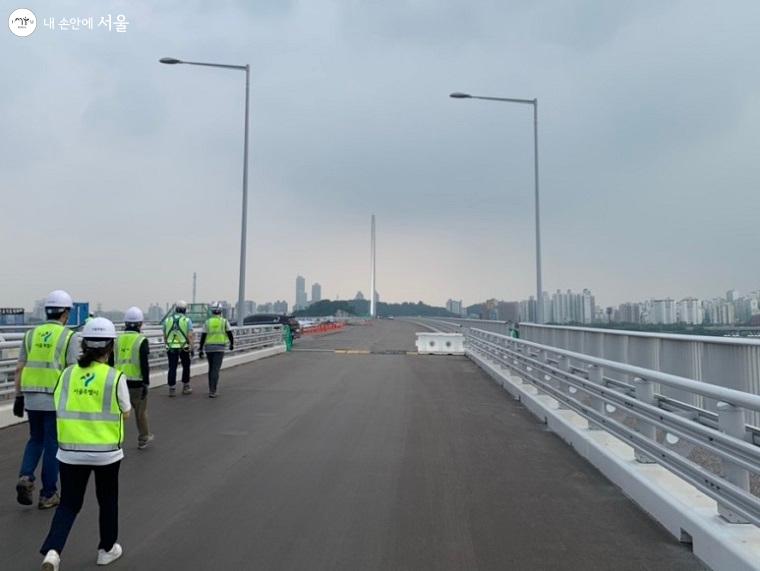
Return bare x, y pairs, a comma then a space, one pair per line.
52, 561
107, 557
143, 445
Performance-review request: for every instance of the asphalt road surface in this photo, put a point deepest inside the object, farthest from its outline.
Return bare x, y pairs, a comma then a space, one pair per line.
321, 460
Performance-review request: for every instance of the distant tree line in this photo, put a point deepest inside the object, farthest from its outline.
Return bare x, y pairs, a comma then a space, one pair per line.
360, 307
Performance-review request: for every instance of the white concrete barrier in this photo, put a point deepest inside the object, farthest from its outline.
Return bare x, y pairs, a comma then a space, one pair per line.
432, 343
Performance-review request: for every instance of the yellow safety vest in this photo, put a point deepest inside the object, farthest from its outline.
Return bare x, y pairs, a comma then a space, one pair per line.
216, 331
88, 416
177, 331
46, 348
127, 354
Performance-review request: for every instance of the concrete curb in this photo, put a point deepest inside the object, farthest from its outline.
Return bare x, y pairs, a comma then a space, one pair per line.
158, 378
684, 511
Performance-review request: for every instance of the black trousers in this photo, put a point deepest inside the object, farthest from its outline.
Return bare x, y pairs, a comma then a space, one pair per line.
74, 480
215, 359
175, 356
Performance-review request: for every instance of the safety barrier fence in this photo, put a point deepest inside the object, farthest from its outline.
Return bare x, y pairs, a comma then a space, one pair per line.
247, 338
321, 328
591, 387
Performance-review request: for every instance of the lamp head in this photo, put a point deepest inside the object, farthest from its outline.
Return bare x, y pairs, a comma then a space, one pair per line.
169, 60
458, 95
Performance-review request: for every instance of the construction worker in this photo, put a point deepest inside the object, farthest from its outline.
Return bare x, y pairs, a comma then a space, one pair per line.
216, 333
287, 337
130, 354
178, 335
45, 352
91, 400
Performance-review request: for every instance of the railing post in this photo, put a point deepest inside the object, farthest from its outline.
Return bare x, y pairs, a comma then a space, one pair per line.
731, 422
596, 376
564, 365
644, 392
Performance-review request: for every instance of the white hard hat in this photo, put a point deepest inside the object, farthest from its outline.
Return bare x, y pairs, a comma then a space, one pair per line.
216, 308
99, 328
133, 315
181, 304
59, 298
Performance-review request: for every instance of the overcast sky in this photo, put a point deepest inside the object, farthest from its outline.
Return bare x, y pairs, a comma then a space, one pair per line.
120, 177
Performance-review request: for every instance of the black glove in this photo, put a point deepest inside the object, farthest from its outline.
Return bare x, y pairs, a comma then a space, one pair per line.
232, 347
18, 406
144, 392
200, 354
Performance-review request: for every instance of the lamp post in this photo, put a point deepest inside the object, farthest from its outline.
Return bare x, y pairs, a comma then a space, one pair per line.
534, 103
244, 221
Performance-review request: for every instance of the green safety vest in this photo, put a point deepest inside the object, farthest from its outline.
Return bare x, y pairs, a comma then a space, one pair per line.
176, 331
88, 416
216, 331
126, 353
46, 349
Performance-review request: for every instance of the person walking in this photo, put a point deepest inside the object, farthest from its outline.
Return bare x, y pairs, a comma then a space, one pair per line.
91, 401
130, 356
45, 352
216, 333
178, 336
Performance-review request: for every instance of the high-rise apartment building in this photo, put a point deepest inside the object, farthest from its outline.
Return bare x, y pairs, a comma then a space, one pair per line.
454, 306
689, 311
301, 300
663, 311
155, 312
316, 292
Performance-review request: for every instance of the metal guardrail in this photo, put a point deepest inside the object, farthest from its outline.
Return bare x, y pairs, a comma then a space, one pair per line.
247, 338
726, 361
584, 384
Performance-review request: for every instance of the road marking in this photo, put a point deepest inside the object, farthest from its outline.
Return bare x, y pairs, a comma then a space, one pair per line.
357, 351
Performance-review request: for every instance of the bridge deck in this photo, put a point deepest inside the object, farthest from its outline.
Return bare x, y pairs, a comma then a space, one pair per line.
316, 460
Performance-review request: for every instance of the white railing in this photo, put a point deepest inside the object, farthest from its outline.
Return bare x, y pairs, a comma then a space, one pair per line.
730, 362
247, 338
635, 411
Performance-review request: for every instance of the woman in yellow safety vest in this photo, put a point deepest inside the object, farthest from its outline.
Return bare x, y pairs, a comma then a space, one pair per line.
91, 401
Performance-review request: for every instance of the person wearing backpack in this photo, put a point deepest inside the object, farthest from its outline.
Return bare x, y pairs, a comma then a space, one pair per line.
178, 336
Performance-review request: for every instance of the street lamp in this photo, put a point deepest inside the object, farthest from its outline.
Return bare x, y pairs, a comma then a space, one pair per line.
244, 221
534, 102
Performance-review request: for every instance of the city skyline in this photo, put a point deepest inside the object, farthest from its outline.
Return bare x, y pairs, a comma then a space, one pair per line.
644, 177
709, 306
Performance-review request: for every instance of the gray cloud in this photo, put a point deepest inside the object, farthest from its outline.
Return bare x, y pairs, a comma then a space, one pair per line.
648, 120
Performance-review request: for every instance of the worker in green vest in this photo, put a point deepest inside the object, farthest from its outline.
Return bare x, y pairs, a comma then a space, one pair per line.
216, 334
287, 337
178, 335
91, 401
44, 353
131, 353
